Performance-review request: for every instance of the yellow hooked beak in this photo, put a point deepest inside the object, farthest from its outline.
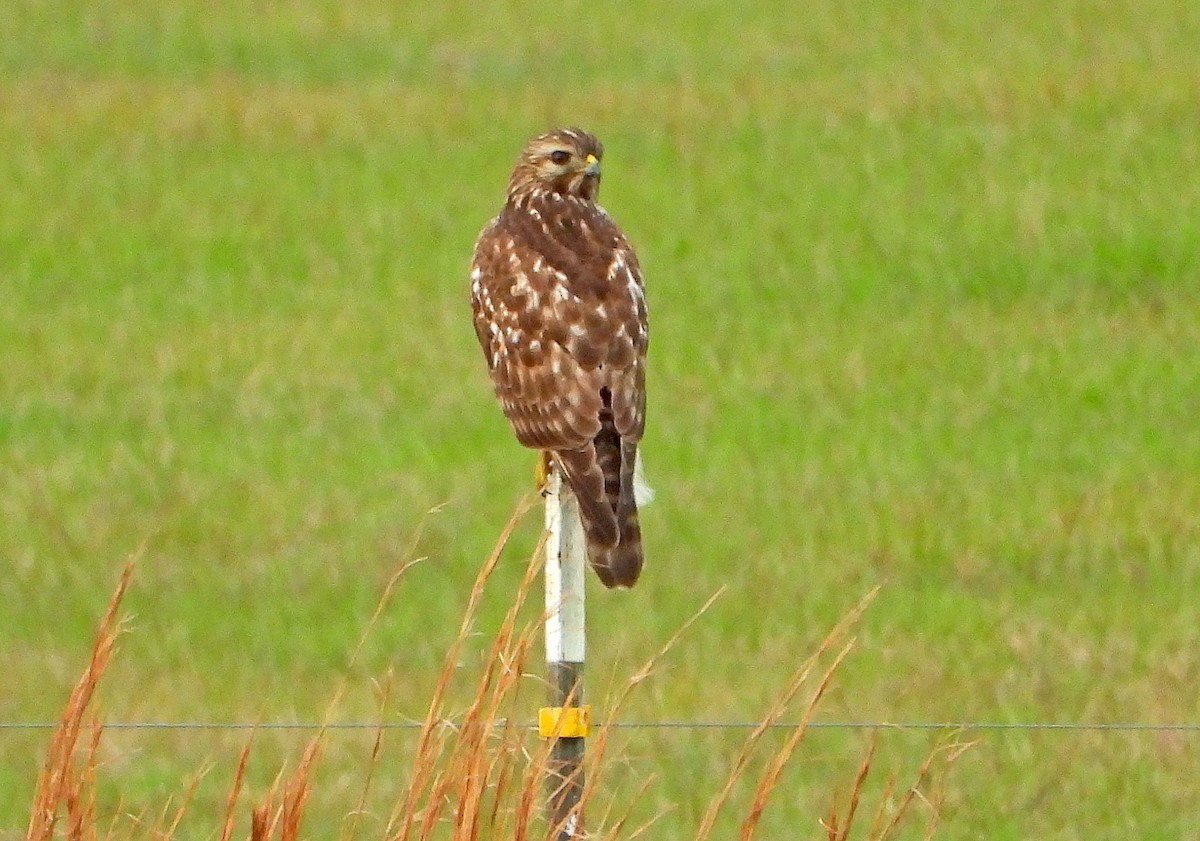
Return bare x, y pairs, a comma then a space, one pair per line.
593, 166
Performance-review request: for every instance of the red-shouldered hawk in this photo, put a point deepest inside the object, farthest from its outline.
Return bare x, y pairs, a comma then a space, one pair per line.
560, 311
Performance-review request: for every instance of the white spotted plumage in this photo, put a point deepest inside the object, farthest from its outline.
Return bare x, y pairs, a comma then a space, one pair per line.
560, 313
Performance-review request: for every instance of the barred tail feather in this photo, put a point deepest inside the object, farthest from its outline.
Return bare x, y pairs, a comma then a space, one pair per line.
586, 480
602, 478
625, 561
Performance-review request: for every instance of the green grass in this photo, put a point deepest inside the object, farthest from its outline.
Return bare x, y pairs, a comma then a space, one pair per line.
925, 293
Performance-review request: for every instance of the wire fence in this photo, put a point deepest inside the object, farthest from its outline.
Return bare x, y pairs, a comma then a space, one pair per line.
1070, 726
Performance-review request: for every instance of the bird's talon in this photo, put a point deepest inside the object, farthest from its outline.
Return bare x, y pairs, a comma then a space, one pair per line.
541, 472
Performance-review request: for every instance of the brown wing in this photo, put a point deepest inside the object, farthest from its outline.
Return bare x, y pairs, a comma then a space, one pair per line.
560, 314
626, 367
551, 401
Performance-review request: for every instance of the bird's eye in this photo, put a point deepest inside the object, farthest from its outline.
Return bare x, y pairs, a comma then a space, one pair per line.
560, 156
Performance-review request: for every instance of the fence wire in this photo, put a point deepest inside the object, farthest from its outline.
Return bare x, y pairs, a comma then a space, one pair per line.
1069, 726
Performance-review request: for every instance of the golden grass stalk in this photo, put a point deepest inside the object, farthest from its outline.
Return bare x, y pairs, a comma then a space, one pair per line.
778, 709
67, 780
430, 745
770, 778
837, 828
235, 791
473, 775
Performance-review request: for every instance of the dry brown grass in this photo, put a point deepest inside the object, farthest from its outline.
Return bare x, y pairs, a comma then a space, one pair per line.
473, 775
66, 787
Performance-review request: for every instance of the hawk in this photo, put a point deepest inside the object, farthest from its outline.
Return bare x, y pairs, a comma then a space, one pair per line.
560, 312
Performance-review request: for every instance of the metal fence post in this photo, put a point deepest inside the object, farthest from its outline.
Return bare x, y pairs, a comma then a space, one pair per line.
566, 719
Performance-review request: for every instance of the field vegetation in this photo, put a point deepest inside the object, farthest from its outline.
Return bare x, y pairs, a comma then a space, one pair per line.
924, 284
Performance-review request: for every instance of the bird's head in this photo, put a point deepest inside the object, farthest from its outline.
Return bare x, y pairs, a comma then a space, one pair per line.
564, 161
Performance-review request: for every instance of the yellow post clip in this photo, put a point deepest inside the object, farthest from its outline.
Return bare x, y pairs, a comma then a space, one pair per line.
564, 722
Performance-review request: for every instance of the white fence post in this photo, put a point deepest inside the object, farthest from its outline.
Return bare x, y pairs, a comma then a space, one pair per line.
566, 720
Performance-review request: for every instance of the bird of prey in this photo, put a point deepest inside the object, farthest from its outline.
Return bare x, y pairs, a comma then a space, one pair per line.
560, 312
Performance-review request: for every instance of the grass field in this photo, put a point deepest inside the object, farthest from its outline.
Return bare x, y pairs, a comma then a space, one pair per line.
925, 295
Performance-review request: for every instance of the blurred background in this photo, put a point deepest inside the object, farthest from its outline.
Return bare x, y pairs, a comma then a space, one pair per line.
924, 289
